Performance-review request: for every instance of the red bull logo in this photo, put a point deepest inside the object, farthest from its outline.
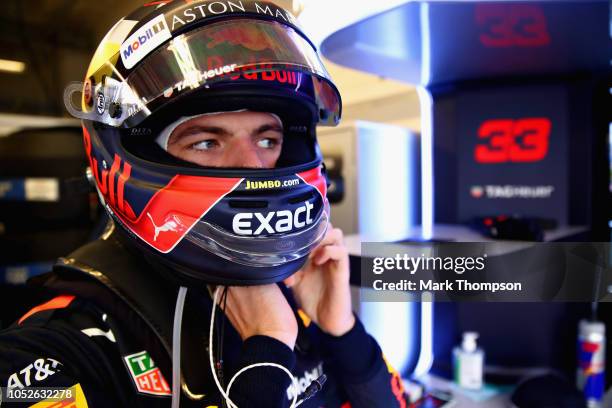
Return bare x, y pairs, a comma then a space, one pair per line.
233, 73
111, 183
591, 361
267, 74
250, 37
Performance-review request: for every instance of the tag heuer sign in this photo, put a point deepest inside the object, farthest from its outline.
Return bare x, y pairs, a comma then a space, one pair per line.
147, 377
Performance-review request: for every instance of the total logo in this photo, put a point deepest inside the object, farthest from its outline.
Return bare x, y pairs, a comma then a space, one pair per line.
272, 222
145, 40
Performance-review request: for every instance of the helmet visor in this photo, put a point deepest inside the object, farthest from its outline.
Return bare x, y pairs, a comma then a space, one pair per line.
262, 251
223, 52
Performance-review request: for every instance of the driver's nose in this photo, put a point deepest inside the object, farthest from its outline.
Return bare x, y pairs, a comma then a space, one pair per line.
244, 153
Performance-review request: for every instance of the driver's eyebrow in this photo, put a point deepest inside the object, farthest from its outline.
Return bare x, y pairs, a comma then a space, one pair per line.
220, 131
215, 130
269, 126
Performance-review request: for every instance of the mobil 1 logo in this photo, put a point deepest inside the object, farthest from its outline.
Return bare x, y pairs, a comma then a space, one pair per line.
144, 40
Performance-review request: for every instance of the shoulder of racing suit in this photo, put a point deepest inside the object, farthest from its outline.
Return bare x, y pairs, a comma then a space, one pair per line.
90, 334
108, 336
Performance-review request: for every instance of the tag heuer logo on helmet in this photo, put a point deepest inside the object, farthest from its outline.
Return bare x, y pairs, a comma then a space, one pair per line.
146, 375
145, 40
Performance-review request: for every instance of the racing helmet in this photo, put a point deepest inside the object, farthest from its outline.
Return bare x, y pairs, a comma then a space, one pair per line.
173, 59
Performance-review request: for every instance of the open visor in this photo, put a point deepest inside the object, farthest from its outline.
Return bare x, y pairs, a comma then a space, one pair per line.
237, 50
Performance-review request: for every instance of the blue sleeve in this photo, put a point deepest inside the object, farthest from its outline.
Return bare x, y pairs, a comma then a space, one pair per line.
263, 386
357, 361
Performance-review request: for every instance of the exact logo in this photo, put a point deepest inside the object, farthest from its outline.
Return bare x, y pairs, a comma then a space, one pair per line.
272, 222
145, 40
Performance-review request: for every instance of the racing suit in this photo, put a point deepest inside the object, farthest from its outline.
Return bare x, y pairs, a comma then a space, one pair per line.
105, 334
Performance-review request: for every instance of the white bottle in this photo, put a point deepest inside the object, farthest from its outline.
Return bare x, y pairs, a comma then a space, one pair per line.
468, 361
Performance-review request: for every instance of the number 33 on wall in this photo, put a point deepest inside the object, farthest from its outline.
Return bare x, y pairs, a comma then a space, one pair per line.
507, 140
512, 25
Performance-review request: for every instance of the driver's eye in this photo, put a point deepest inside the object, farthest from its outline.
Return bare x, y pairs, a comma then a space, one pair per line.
205, 144
268, 143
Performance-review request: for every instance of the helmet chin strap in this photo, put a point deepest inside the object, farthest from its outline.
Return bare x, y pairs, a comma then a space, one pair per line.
164, 136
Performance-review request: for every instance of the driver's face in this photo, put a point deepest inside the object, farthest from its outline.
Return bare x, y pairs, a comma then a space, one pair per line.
231, 139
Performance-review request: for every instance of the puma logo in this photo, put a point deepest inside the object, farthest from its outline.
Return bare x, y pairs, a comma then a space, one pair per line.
94, 331
168, 226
